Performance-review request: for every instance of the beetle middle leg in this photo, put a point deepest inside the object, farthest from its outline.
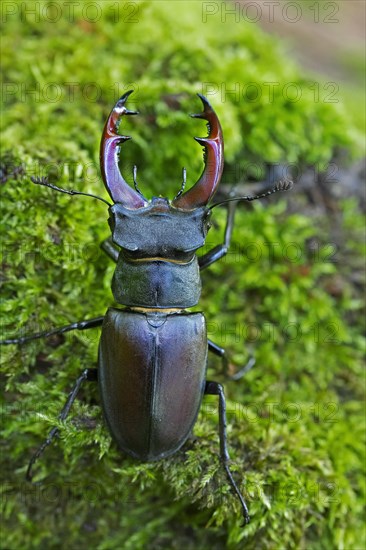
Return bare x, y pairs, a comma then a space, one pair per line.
87, 375
221, 352
206, 260
214, 388
79, 325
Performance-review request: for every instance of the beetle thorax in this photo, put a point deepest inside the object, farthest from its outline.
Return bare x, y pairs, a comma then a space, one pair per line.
157, 265
159, 230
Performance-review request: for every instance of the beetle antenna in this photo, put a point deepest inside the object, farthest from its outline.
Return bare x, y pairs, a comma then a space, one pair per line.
135, 182
282, 185
184, 181
44, 181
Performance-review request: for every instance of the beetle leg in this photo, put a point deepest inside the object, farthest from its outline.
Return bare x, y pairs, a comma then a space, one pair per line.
89, 375
220, 352
110, 249
220, 250
213, 388
81, 325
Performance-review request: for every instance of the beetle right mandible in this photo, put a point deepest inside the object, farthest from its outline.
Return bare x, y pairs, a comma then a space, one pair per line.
153, 351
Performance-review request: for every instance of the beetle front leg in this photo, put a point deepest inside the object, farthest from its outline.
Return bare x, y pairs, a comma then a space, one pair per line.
220, 250
213, 388
89, 375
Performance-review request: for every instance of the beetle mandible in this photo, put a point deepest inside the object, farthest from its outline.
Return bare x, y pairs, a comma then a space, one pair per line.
153, 351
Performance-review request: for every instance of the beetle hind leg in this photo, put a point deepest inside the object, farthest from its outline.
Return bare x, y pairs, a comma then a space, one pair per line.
214, 388
87, 375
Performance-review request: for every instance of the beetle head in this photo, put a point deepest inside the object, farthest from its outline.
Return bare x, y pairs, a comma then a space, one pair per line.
178, 233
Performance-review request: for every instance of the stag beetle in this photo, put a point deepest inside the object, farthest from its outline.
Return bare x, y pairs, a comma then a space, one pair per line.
153, 352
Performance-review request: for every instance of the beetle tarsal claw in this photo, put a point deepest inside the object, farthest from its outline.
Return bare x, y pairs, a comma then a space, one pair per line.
284, 185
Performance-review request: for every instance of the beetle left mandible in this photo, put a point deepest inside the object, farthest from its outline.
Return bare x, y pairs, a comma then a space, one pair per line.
153, 352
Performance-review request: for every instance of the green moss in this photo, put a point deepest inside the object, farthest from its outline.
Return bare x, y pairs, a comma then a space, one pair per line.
295, 421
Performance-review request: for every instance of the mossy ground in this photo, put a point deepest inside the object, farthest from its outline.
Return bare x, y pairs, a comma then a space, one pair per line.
296, 421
